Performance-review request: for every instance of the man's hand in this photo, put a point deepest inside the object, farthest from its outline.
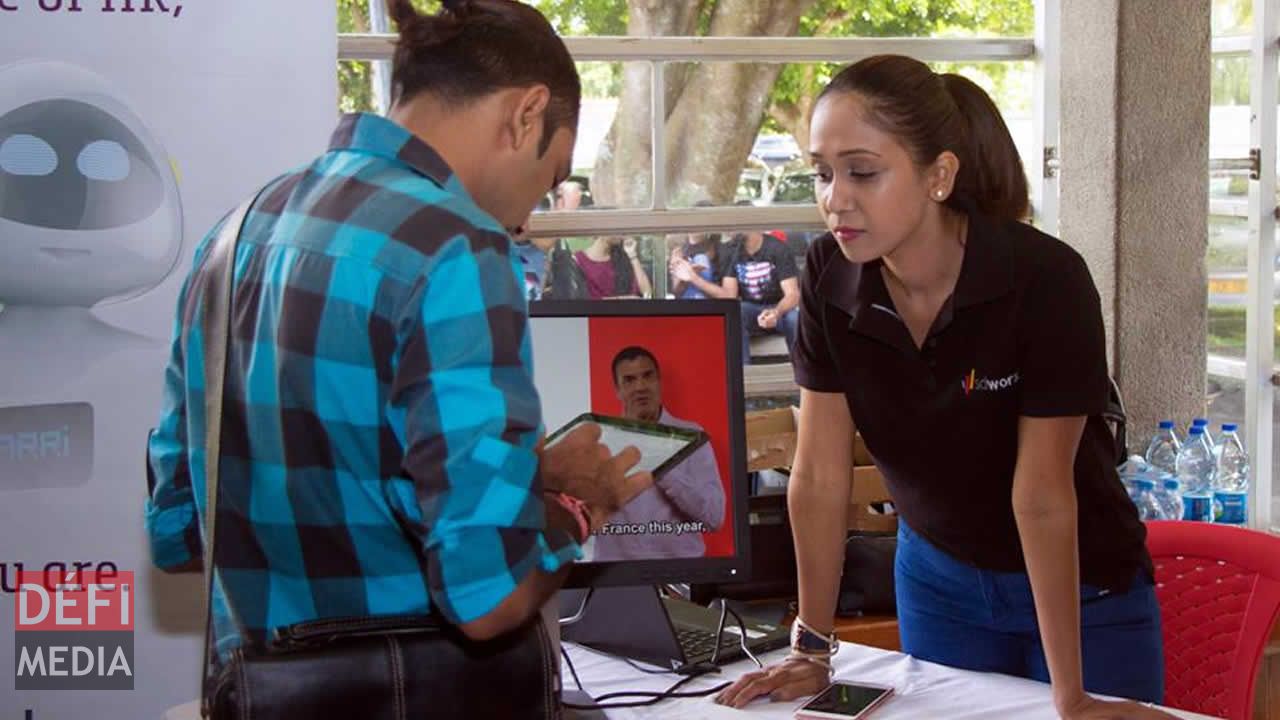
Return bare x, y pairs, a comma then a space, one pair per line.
580, 466
768, 319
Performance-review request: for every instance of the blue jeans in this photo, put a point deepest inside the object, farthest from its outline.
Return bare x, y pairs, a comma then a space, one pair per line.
787, 325
955, 614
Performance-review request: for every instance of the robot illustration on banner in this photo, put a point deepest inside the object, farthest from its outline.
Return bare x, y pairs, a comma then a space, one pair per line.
89, 215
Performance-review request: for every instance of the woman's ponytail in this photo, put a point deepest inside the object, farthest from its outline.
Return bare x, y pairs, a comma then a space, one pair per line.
991, 174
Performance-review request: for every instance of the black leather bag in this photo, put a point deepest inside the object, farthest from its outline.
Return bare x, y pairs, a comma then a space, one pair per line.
389, 668
866, 586
373, 668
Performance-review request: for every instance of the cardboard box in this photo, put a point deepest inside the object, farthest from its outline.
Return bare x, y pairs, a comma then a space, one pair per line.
771, 443
771, 440
868, 488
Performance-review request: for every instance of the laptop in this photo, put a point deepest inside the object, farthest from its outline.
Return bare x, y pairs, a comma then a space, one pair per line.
638, 623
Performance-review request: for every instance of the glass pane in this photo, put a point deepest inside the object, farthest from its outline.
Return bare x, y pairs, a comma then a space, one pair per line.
748, 145
612, 163
612, 160
600, 268
353, 16
355, 86
1226, 257
875, 18
595, 267
921, 18
1232, 17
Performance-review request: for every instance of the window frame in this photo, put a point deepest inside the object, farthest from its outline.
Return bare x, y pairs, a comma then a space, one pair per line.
1042, 50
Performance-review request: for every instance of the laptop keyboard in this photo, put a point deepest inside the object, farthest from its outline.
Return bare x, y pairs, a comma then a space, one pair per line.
699, 642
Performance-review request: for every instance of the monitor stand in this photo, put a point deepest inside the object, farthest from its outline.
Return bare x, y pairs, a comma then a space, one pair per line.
626, 621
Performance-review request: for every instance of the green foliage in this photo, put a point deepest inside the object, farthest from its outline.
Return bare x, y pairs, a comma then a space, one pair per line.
355, 85
1232, 17
828, 18
1227, 330
586, 17
1230, 82
914, 18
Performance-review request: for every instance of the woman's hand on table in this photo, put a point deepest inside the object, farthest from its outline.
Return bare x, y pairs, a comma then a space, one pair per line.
787, 680
1089, 708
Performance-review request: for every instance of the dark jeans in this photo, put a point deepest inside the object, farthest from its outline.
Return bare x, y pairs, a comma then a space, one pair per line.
787, 325
958, 615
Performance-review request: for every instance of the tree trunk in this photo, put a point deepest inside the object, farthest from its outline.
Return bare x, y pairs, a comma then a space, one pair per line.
714, 110
622, 176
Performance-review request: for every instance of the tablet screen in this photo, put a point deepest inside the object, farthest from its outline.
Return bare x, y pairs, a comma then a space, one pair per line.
657, 443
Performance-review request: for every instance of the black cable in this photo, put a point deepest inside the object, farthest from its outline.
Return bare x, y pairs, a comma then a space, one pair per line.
565, 653
742, 639
653, 697
724, 608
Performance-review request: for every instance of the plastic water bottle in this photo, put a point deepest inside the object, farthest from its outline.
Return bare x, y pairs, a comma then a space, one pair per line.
1145, 499
1195, 471
1162, 451
1204, 423
1132, 467
1231, 485
1170, 499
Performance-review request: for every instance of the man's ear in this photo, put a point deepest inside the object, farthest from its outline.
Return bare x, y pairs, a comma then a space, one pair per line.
526, 115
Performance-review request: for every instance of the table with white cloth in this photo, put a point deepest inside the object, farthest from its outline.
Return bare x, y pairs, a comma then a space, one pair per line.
921, 689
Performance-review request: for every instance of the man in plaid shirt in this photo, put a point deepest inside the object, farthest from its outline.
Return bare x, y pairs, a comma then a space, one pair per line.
380, 434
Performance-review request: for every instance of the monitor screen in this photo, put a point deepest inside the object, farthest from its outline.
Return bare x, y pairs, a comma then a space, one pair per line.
665, 376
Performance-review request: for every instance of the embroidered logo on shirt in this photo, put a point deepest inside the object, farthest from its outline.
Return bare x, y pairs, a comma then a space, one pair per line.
973, 383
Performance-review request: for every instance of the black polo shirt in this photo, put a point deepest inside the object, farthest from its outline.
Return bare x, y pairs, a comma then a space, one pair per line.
1021, 335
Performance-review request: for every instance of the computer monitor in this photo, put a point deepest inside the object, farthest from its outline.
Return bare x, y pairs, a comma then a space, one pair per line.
673, 364
676, 363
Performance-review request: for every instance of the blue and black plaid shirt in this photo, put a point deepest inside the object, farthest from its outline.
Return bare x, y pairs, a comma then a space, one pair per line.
380, 416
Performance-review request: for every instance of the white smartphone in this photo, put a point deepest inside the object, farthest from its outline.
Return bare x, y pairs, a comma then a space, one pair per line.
845, 701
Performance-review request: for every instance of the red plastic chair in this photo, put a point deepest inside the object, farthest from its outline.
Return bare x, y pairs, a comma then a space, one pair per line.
1219, 594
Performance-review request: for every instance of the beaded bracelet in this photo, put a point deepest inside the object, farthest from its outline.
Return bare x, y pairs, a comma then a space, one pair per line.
578, 510
820, 660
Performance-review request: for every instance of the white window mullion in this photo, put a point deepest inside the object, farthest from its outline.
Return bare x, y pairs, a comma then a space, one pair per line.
379, 23
1260, 329
658, 111
1047, 90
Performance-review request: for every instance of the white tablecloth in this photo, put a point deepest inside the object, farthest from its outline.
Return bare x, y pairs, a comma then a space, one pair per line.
921, 689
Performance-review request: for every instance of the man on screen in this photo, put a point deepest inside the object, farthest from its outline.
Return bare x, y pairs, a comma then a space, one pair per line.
682, 504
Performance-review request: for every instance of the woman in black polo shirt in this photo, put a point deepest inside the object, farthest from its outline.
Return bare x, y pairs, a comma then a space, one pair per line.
969, 350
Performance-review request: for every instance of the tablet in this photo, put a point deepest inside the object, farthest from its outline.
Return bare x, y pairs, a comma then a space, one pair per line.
661, 447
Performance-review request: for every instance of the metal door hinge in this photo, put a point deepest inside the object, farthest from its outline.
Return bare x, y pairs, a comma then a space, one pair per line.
1051, 161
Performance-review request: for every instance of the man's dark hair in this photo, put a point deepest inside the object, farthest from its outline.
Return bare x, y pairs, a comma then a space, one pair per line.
474, 48
631, 353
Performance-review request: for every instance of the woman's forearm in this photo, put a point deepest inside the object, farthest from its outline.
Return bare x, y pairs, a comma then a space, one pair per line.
1048, 533
818, 508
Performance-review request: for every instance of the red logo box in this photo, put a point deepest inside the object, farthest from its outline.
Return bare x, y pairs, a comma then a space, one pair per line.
71, 601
